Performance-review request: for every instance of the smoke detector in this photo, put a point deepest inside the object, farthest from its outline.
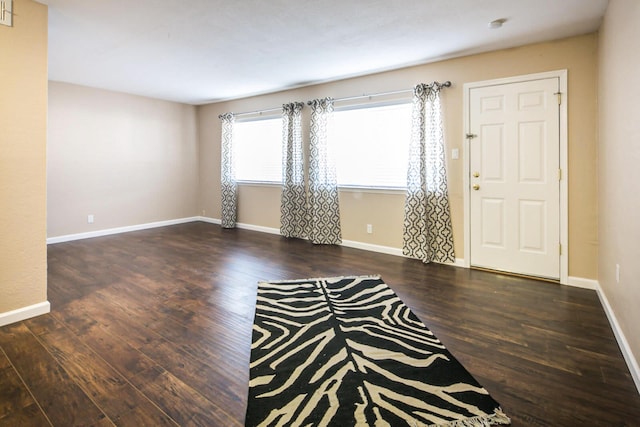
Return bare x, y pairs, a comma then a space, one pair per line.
497, 23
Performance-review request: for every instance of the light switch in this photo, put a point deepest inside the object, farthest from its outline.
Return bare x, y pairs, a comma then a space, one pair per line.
455, 154
6, 12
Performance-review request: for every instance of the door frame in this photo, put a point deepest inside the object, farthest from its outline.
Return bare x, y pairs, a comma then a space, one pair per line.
564, 162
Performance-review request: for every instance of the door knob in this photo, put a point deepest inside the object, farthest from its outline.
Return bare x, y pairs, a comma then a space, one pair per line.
476, 187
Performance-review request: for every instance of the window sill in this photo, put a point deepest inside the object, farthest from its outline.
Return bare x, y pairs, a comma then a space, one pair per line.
260, 183
342, 188
364, 189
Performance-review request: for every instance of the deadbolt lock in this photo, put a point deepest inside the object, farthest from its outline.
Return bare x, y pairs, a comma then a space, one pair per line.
476, 174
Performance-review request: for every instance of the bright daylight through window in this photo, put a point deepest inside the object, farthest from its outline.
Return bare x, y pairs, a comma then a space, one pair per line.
370, 146
258, 150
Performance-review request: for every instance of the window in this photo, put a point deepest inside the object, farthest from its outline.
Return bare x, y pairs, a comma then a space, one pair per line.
258, 150
371, 145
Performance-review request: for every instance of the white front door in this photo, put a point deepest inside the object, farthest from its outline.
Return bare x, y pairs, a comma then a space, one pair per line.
514, 166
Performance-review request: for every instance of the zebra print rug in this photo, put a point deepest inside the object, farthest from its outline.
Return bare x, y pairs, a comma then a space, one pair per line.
347, 351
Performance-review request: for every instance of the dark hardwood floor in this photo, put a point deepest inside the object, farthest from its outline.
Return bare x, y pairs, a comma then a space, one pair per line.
153, 328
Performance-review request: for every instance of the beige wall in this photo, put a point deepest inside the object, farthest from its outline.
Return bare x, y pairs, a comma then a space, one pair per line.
260, 205
23, 134
619, 165
125, 159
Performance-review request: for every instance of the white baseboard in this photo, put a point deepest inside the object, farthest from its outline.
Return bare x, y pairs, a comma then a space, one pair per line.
24, 313
580, 282
372, 248
389, 250
260, 228
347, 243
632, 362
459, 262
118, 230
251, 227
208, 219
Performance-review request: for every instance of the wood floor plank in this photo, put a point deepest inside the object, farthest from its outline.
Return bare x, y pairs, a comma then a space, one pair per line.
220, 345
143, 415
30, 415
63, 402
14, 396
181, 402
204, 375
169, 312
114, 395
127, 360
178, 400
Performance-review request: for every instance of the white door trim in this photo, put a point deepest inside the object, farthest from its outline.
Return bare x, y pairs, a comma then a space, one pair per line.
564, 162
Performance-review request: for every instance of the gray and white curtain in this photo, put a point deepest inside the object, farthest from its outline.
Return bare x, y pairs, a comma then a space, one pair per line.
323, 185
427, 233
229, 187
294, 221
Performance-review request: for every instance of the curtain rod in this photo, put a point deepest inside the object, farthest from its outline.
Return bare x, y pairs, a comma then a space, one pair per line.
350, 98
259, 112
395, 92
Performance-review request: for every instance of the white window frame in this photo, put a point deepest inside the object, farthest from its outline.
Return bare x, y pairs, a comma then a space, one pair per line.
277, 142
405, 148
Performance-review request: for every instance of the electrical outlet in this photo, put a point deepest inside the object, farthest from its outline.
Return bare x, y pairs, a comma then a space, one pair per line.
89, 219
617, 273
369, 228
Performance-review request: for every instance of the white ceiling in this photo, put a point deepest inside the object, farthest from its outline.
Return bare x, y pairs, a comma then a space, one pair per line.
200, 51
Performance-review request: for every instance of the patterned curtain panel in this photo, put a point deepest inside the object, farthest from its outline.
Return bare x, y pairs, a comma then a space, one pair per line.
427, 219
294, 221
323, 185
229, 187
